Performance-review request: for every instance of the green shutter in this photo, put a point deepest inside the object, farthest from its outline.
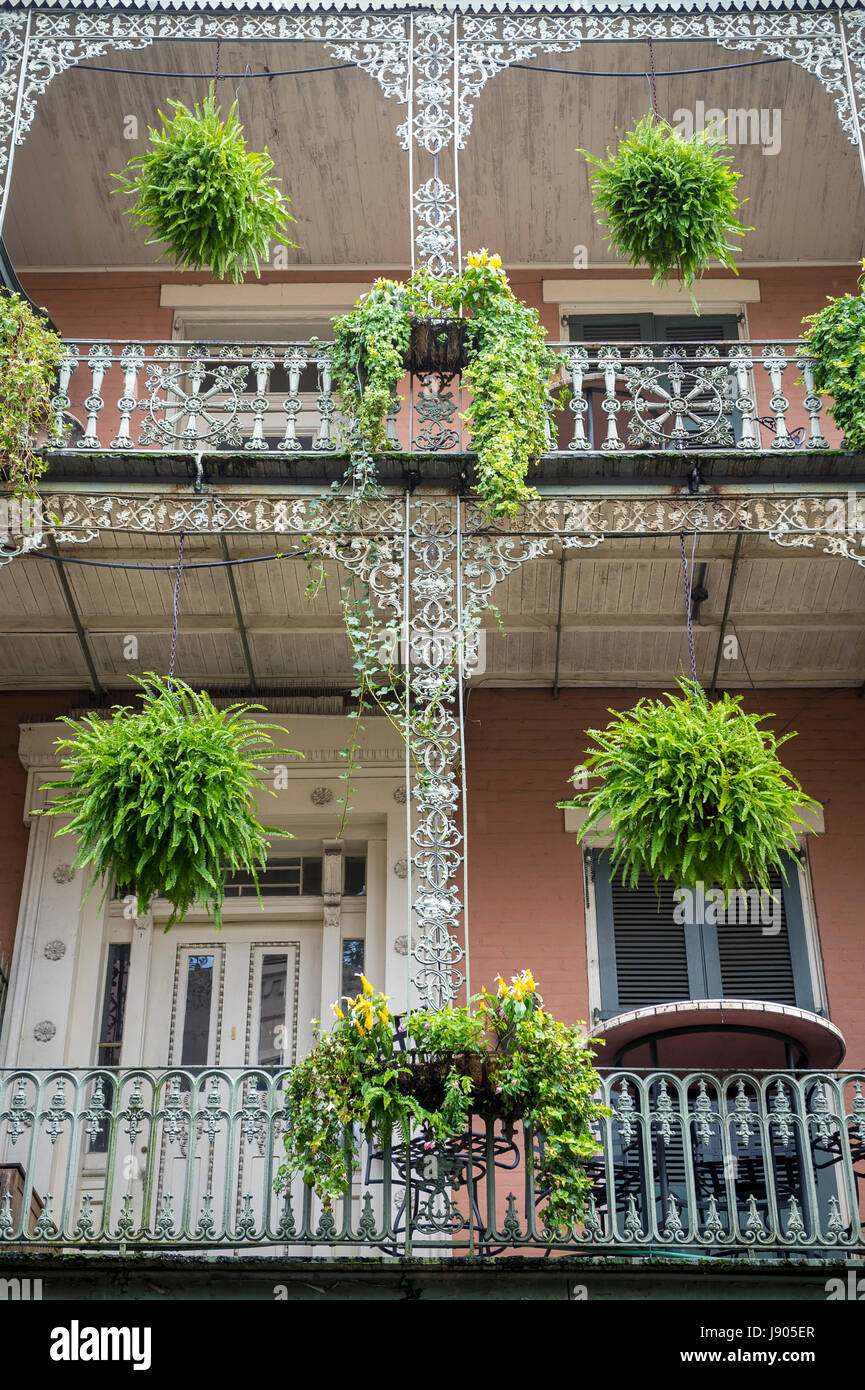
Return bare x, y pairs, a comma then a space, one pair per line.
648, 958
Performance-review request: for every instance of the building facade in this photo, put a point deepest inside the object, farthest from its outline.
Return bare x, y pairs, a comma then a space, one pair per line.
141, 1106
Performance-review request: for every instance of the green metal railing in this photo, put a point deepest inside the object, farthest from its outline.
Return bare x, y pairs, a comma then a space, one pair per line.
187, 1159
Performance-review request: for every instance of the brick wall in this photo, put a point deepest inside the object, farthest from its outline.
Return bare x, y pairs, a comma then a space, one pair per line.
525, 883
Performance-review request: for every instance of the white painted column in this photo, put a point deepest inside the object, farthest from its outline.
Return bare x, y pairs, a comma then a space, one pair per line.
331, 956
376, 910
396, 911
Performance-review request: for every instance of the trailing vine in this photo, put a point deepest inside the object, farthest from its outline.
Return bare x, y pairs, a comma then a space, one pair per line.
510, 373
30, 354
836, 338
505, 1059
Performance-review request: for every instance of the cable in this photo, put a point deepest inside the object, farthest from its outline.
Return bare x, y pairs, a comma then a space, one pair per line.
672, 72
747, 667
223, 76
179, 572
198, 565
337, 67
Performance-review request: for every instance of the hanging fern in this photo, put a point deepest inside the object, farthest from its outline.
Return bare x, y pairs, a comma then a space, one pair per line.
670, 203
161, 799
694, 791
201, 192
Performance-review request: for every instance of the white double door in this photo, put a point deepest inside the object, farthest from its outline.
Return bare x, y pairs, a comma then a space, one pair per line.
239, 999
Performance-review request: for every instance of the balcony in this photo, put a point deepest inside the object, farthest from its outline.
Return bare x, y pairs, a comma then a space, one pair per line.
271, 409
696, 1163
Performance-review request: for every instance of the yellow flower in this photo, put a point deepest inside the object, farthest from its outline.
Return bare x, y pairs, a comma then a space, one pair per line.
496, 261
367, 987
384, 1016
337, 1010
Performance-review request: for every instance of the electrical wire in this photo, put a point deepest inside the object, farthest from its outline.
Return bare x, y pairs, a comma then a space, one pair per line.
197, 565
222, 77
671, 72
337, 67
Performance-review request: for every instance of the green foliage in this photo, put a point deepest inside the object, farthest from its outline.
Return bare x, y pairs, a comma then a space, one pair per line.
545, 1073
670, 203
509, 374
836, 339
694, 790
30, 354
161, 798
448, 1030
200, 191
353, 1081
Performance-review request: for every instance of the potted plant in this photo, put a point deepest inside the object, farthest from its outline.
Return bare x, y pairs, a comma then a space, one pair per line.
202, 193
505, 1059
161, 799
670, 203
30, 353
420, 325
836, 346
693, 790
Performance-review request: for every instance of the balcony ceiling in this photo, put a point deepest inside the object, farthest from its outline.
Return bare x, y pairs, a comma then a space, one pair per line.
798, 618
524, 187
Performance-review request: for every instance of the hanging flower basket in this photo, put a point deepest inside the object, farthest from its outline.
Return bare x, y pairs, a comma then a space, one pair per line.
693, 792
161, 799
205, 196
507, 1060
836, 345
437, 345
30, 354
669, 203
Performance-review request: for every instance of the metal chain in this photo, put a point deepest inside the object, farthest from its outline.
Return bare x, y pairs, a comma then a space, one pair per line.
216, 77
687, 581
176, 610
651, 76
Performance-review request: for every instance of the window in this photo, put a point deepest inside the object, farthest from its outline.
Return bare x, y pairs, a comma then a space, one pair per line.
353, 961
296, 876
354, 876
111, 1028
654, 328
113, 1004
659, 948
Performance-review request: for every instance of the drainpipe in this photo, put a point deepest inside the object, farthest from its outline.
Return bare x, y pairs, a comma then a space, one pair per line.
727, 602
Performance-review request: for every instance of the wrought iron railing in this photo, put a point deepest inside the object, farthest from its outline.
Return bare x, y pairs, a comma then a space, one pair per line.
772, 1162
279, 398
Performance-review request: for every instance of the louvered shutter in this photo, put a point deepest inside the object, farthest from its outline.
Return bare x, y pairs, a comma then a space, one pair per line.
651, 950
647, 958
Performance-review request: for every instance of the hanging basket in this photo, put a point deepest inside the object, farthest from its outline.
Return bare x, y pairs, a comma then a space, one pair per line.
425, 1078
204, 195
437, 345
693, 791
668, 203
161, 799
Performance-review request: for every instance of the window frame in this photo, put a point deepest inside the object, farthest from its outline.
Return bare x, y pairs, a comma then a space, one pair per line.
703, 967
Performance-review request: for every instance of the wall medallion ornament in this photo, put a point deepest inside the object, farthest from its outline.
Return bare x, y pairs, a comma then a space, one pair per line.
64, 873
54, 950
44, 1032
321, 796
400, 868
400, 945
399, 796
